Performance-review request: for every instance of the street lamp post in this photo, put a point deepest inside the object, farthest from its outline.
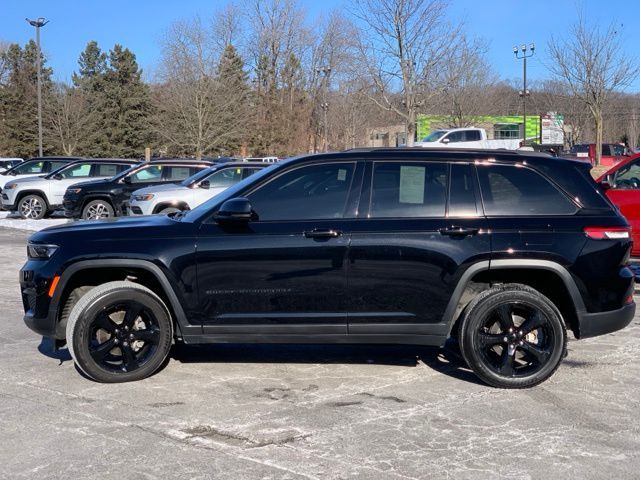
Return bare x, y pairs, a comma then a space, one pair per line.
523, 53
325, 71
39, 23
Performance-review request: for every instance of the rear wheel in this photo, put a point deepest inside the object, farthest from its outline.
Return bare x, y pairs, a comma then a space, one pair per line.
97, 209
512, 336
32, 207
119, 332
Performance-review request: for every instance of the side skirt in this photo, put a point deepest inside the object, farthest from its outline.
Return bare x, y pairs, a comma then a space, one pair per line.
430, 340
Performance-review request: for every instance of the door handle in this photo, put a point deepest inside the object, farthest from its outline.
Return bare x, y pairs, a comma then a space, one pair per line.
455, 231
316, 233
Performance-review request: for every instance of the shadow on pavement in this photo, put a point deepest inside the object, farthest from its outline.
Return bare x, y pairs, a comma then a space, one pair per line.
444, 360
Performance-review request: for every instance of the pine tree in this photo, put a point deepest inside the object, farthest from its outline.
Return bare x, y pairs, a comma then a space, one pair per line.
90, 82
233, 86
128, 105
19, 102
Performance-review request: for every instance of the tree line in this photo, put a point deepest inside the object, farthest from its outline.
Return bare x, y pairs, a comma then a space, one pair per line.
262, 78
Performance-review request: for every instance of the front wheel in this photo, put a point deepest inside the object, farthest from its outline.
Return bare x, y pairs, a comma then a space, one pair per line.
32, 207
97, 209
119, 332
512, 336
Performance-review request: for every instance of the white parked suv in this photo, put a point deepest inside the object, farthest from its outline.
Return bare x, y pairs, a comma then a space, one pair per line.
33, 167
191, 192
35, 197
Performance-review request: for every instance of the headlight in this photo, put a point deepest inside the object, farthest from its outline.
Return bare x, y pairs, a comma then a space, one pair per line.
143, 198
10, 186
74, 190
41, 252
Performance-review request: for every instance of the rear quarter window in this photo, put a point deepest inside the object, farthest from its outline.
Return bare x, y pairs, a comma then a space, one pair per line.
518, 191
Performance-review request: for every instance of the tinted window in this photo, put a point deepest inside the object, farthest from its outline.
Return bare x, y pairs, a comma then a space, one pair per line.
462, 197
627, 177
149, 173
408, 190
250, 171
312, 192
511, 190
35, 167
225, 178
178, 173
53, 166
108, 169
456, 137
472, 135
76, 171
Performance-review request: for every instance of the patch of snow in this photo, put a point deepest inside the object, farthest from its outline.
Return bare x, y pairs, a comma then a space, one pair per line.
13, 220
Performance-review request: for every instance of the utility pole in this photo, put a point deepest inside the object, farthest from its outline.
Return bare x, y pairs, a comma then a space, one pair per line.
521, 54
39, 23
325, 71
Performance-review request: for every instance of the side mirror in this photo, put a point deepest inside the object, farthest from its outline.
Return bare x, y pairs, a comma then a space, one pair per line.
57, 176
126, 179
445, 140
235, 210
205, 184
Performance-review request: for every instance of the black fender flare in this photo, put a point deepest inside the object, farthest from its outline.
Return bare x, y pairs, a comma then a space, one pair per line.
182, 324
453, 307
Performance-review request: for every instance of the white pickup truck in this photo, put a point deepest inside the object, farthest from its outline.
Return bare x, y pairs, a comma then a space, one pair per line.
466, 138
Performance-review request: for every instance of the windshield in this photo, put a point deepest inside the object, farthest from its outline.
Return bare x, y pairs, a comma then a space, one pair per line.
127, 171
230, 192
434, 136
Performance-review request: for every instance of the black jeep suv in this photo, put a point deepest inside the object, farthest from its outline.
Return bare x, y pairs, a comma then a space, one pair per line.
502, 251
108, 198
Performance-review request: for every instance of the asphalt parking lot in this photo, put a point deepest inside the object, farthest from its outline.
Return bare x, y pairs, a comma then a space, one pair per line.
315, 412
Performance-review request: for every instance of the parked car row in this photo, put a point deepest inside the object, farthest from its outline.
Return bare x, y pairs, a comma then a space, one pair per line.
102, 188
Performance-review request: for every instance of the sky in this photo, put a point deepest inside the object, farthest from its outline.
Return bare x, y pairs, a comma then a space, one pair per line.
140, 24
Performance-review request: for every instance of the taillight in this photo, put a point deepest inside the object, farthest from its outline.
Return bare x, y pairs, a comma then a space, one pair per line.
608, 233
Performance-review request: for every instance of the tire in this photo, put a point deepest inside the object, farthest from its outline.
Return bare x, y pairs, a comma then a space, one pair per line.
97, 209
167, 210
73, 298
105, 326
512, 336
32, 207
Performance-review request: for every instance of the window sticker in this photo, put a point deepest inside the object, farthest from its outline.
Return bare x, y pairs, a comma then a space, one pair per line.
342, 174
412, 184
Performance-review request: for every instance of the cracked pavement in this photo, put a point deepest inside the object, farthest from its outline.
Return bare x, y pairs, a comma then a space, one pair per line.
314, 412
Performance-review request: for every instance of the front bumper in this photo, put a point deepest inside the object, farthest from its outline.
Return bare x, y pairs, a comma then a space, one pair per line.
594, 324
140, 207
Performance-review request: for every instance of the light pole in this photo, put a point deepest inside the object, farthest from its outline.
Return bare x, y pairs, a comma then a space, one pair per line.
39, 23
325, 71
522, 54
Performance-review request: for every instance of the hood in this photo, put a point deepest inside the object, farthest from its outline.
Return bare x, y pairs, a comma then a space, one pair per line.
93, 182
167, 187
108, 224
19, 179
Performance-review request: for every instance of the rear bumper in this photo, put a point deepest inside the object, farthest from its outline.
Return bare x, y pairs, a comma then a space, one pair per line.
594, 324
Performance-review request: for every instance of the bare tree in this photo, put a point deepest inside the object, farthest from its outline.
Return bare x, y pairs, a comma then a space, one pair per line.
469, 83
198, 115
593, 65
67, 117
404, 45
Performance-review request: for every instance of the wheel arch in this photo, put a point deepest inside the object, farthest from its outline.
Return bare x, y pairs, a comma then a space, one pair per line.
96, 272
548, 277
40, 193
97, 196
181, 204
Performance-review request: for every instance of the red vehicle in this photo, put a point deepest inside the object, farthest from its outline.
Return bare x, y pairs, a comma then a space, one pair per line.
622, 185
612, 153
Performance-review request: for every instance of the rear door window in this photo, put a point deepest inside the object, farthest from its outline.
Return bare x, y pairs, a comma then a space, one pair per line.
515, 190
177, 173
408, 190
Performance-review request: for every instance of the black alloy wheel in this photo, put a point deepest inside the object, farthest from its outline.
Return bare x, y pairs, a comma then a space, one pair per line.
512, 336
